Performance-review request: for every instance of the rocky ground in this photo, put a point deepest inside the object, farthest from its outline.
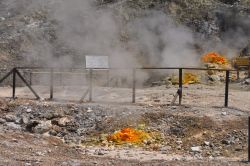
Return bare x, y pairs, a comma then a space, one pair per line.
73, 133
69, 132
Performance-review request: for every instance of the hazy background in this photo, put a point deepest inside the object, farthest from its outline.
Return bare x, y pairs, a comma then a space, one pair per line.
60, 33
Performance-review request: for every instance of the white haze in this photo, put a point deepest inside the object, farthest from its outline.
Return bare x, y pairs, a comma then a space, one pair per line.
95, 31
98, 31
91, 30
165, 43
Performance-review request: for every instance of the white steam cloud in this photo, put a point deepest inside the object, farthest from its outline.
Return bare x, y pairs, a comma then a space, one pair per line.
164, 42
152, 39
93, 31
155, 36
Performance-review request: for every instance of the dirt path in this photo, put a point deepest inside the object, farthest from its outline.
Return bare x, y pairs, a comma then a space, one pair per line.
194, 95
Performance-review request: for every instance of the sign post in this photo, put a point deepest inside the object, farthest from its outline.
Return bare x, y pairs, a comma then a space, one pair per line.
94, 62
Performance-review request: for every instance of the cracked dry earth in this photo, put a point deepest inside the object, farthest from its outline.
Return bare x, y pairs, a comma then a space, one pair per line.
73, 133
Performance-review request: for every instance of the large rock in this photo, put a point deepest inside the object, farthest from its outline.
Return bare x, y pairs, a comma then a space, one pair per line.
196, 149
50, 114
247, 81
43, 127
214, 78
2, 121
64, 121
10, 118
14, 126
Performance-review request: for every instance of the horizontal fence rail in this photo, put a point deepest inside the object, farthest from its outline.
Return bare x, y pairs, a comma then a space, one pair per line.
89, 72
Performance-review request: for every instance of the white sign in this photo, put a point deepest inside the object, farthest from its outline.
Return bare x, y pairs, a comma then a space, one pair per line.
93, 61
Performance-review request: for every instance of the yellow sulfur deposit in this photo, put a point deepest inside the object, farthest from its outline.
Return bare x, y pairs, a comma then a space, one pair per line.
190, 78
128, 135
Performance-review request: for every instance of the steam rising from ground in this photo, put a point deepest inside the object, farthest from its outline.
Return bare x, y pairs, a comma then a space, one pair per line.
89, 29
98, 31
233, 33
92, 31
153, 39
164, 42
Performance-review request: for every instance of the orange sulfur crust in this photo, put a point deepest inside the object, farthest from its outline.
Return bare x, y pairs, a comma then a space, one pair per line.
128, 135
213, 57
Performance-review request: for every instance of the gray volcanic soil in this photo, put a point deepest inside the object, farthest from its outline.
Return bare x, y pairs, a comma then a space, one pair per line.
73, 133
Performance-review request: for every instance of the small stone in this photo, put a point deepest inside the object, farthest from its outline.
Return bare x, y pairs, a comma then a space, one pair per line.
226, 142
196, 149
42, 99
216, 153
71, 163
64, 163
206, 143
2, 19
214, 78
177, 159
64, 121
40, 153
29, 110
14, 140
99, 152
210, 157
211, 145
224, 113
2, 121
198, 156
179, 147
147, 142
247, 81
89, 110
165, 148
46, 134
210, 65
238, 148
48, 115
18, 121
178, 142
25, 119
53, 132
